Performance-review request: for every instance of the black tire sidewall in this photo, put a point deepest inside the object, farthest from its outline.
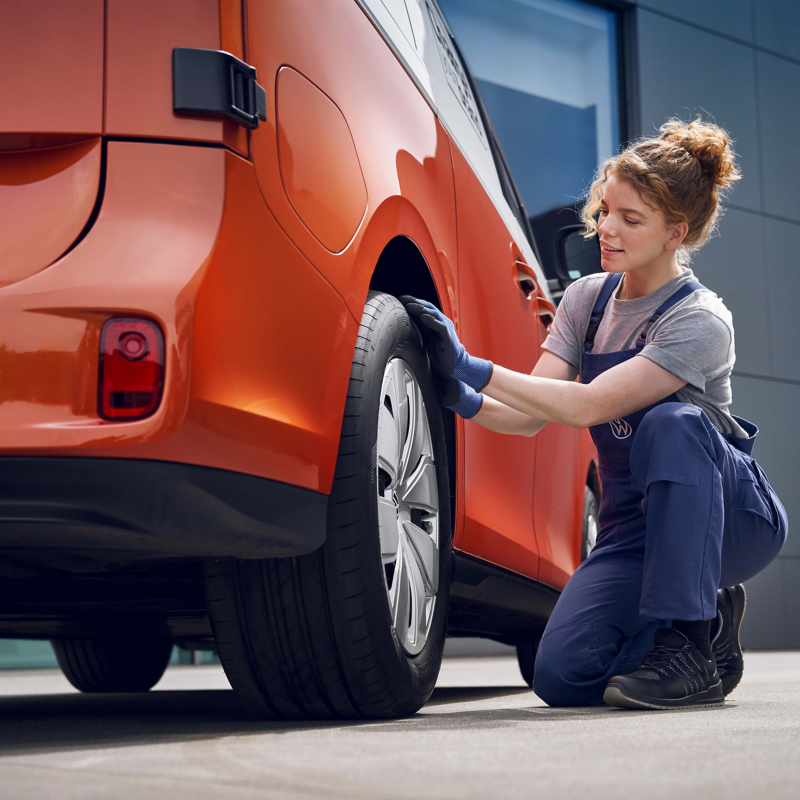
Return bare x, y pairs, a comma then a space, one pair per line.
393, 335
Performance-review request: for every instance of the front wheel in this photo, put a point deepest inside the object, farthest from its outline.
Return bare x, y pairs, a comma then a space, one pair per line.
355, 629
591, 512
527, 647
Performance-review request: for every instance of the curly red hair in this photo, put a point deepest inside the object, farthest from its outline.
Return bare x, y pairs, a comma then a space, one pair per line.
682, 173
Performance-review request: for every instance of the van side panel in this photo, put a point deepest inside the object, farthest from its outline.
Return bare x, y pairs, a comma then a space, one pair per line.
401, 148
499, 323
51, 60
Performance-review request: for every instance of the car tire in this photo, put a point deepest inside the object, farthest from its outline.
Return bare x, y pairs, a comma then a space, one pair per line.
321, 636
527, 647
591, 512
113, 665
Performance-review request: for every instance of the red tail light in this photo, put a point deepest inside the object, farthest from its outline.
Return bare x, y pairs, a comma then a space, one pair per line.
131, 369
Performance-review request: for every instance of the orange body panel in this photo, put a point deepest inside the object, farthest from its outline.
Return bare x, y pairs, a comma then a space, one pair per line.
231, 23
46, 197
401, 147
556, 514
144, 256
141, 37
497, 322
563, 461
51, 60
249, 387
322, 178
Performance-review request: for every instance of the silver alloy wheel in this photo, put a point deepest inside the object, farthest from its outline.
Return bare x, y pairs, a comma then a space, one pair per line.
408, 506
591, 533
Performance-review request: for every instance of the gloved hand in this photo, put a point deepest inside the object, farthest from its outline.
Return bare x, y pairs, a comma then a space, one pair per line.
457, 396
446, 353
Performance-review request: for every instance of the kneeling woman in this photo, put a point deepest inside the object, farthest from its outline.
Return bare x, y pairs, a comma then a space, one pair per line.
646, 621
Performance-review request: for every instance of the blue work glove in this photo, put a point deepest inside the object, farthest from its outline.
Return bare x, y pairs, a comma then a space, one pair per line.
457, 396
446, 353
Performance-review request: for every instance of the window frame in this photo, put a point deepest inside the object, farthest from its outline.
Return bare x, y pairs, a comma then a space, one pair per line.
627, 60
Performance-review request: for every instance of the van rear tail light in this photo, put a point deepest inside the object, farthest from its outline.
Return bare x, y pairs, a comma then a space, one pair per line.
131, 369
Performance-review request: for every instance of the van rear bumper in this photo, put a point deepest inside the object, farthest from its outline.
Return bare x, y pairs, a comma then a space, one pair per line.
118, 510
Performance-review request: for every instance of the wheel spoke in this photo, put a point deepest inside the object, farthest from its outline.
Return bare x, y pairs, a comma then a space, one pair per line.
401, 589
401, 413
420, 489
387, 523
592, 533
418, 625
388, 445
425, 554
411, 446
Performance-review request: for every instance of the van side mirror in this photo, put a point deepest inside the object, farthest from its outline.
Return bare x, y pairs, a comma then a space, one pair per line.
564, 254
576, 256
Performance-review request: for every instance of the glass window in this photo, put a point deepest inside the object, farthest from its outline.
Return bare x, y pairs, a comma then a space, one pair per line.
547, 73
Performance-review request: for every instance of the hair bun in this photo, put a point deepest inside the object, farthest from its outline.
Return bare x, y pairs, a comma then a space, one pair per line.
708, 143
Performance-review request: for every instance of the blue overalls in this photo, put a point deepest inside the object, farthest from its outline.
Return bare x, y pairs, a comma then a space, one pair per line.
684, 511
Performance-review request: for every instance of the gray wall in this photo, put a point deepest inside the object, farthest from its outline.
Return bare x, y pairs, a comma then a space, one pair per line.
739, 60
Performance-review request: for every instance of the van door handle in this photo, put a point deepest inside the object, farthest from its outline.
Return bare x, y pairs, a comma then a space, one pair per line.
525, 278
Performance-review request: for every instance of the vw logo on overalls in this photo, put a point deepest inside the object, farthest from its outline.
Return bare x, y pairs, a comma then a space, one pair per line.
620, 428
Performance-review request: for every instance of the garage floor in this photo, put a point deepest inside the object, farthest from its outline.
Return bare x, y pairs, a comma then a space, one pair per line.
482, 735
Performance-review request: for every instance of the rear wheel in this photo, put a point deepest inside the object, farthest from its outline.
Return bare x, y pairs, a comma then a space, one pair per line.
113, 665
356, 628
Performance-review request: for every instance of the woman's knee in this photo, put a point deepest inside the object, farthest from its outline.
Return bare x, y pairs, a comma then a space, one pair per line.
669, 419
564, 674
668, 445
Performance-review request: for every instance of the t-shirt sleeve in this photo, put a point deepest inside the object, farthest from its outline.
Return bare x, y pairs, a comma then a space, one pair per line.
693, 345
563, 337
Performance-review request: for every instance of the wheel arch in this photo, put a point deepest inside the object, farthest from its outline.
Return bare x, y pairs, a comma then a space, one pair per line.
401, 269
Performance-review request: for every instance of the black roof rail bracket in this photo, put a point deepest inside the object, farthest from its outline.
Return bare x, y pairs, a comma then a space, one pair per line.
213, 83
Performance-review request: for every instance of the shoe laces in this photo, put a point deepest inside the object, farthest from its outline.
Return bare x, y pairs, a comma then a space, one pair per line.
661, 658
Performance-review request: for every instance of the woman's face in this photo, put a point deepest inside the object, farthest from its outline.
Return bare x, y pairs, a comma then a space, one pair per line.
632, 233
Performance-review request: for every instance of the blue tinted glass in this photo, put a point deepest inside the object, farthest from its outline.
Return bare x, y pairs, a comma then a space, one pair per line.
547, 71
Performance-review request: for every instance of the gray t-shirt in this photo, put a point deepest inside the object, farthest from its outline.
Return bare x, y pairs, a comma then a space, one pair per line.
693, 340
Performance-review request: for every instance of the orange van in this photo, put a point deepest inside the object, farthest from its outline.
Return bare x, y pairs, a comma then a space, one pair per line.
217, 423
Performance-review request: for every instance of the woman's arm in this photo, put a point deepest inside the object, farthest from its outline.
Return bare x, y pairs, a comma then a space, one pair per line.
496, 416
619, 391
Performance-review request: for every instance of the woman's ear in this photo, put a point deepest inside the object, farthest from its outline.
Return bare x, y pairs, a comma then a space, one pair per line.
677, 233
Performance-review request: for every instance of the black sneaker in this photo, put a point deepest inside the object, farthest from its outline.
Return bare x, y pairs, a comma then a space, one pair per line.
725, 642
675, 675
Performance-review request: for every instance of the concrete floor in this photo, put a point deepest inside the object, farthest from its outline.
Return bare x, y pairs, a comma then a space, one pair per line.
482, 735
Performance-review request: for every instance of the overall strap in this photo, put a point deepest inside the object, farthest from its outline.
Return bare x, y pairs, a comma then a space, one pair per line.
680, 294
611, 283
